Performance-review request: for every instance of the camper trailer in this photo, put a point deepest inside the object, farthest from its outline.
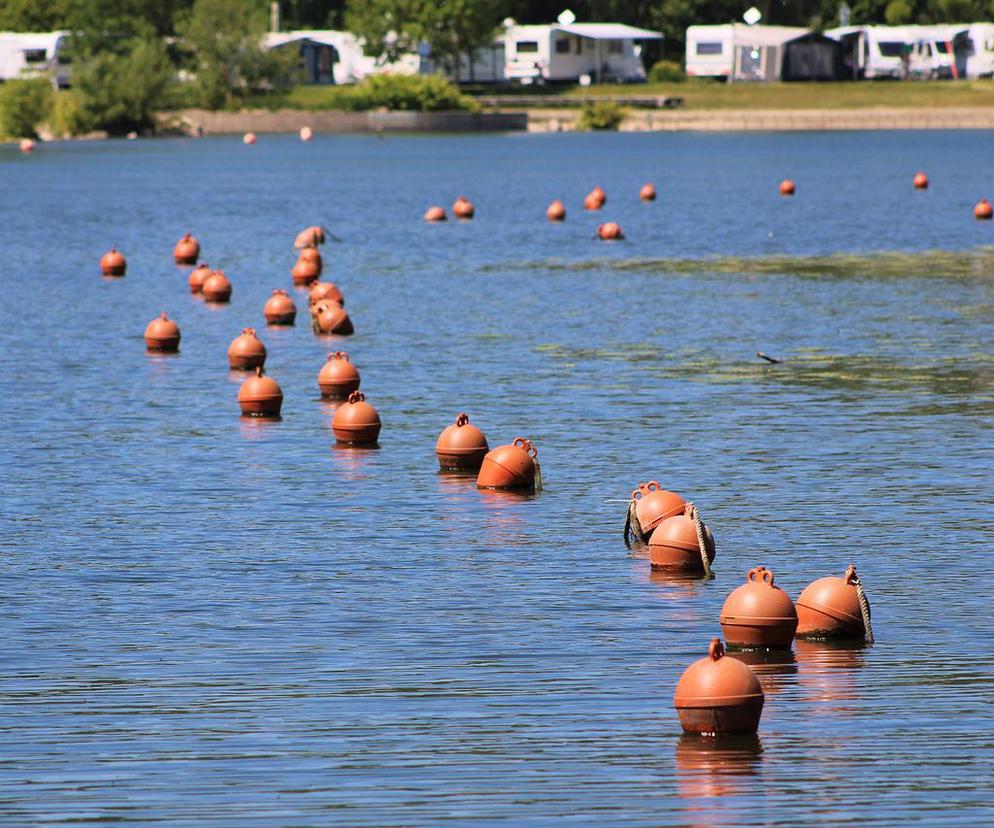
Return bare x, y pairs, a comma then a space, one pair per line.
933, 54
874, 52
973, 47
30, 55
326, 56
738, 52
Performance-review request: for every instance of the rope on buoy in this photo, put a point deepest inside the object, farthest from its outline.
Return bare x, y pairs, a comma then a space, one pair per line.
693, 513
538, 475
864, 602
633, 529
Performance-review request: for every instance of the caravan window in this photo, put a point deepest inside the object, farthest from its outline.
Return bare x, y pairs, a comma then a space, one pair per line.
34, 55
942, 47
562, 46
709, 48
614, 47
524, 46
890, 48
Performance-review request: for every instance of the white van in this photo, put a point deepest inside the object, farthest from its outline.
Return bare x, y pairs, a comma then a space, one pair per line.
872, 52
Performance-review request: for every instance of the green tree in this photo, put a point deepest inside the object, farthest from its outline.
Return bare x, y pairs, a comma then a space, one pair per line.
898, 12
32, 15
24, 104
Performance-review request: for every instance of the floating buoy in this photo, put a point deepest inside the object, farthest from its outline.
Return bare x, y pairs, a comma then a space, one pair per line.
461, 446
787, 187
162, 335
435, 214
27, 145
330, 318
246, 351
830, 608
306, 133
921, 181
718, 695
556, 211
649, 506
356, 422
216, 287
463, 208
260, 396
338, 377
674, 546
325, 290
312, 236
610, 231
595, 199
198, 276
758, 613
305, 272
648, 192
187, 250
983, 210
313, 255
248, 138
514, 466
279, 308
113, 263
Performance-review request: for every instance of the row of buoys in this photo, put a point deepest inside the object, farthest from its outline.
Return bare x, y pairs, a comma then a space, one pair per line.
462, 208
305, 133
671, 527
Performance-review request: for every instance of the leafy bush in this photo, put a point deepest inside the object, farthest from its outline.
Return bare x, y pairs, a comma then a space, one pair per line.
423, 93
602, 115
24, 104
667, 71
67, 116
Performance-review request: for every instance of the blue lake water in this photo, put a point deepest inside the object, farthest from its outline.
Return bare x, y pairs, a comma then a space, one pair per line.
212, 620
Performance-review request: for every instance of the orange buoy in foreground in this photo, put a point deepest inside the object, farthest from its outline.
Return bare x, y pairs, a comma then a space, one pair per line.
921, 181
648, 192
595, 199
260, 396
758, 613
113, 263
305, 272
653, 504
787, 187
312, 236
463, 208
461, 446
983, 210
356, 422
325, 290
187, 250
435, 214
718, 695
216, 287
279, 308
556, 211
246, 351
248, 138
830, 608
162, 335
338, 377
610, 231
198, 276
330, 318
674, 546
513, 466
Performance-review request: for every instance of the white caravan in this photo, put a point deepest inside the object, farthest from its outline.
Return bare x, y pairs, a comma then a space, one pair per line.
29, 54
973, 44
737, 52
933, 54
873, 52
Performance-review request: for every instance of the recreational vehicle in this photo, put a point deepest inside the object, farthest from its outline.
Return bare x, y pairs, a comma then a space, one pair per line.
326, 56
738, 52
873, 52
973, 46
933, 54
29, 55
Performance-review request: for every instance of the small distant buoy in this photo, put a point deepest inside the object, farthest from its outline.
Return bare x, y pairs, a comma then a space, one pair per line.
654, 504
718, 695
461, 446
758, 613
983, 210
610, 231
113, 263
248, 138
673, 545
595, 199
131, 136
260, 396
513, 466
305, 272
216, 287
162, 335
312, 236
921, 181
463, 208
306, 133
648, 192
313, 255
331, 318
787, 187
556, 211
326, 291
829, 608
338, 377
246, 351
187, 250
27, 145
435, 214
356, 422
280, 308
198, 276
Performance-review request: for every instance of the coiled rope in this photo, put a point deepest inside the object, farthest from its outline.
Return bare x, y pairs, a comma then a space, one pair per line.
864, 602
633, 529
702, 540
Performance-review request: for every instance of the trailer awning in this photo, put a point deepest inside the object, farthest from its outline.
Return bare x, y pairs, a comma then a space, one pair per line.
608, 31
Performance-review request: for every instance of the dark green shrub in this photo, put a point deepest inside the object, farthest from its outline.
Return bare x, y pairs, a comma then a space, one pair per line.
24, 105
601, 115
422, 93
667, 71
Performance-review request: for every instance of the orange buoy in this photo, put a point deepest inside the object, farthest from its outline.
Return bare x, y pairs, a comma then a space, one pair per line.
983, 210
787, 187
312, 236
356, 422
260, 396
246, 351
435, 214
673, 545
113, 263
648, 192
306, 133
610, 231
556, 211
654, 504
829, 608
461, 446
304, 273
921, 181
26, 145
758, 613
311, 254
279, 308
187, 250
513, 466
162, 334
331, 318
595, 199
248, 138
216, 287
338, 377
198, 276
718, 695
463, 208
325, 290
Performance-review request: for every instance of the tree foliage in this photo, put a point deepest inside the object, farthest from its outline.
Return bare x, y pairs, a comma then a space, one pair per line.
24, 104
